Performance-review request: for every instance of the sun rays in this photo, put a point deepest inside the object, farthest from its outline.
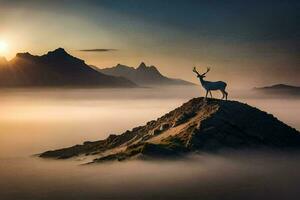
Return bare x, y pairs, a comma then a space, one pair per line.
3, 47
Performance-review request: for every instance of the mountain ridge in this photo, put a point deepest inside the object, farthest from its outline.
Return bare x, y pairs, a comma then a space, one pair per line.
280, 89
278, 86
143, 75
57, 68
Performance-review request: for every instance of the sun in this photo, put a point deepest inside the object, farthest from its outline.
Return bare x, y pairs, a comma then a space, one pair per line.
3, 46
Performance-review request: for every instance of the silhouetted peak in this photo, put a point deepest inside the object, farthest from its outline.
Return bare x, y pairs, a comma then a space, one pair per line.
24, 55
279, 86
149, 69
142, 66
60, 55
58, 51
153, 68
62, 50
143, 75
120, 65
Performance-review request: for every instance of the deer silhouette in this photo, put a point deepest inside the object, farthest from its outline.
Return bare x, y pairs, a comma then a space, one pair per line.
209, 86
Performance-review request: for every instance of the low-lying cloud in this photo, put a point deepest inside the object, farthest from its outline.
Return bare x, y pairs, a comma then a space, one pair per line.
97, 50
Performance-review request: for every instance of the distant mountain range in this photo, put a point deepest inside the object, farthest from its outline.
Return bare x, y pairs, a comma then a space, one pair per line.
59, 69
142, 75
55, 69
279, 89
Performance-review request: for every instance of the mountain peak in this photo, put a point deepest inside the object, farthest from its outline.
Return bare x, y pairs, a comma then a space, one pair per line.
153, 68
282, 86
24, 55
278, 86
280, 90
143, 75
57, 68
60, 55
142, 66
150, 69
121, 66
58, 51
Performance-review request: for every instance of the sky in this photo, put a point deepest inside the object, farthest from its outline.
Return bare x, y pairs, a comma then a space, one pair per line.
246, 43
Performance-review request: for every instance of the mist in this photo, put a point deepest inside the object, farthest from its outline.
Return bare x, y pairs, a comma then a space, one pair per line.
228, 176
33, 121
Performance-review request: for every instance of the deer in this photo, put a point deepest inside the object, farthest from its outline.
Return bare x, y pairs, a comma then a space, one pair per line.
209, 86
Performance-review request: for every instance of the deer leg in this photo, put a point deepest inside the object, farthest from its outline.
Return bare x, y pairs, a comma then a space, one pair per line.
210, 94
223, 94
206, 94
226, 94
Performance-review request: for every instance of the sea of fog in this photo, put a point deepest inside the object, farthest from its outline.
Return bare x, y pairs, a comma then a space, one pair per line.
33, 121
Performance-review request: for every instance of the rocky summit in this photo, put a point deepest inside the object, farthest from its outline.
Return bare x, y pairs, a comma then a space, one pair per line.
200, 125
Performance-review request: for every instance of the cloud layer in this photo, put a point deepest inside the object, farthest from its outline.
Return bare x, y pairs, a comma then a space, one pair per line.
97, 50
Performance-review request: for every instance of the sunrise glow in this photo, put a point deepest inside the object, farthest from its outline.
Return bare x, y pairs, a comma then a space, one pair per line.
3, 47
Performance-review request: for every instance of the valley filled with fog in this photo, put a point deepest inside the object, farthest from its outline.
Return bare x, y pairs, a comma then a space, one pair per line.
37, 120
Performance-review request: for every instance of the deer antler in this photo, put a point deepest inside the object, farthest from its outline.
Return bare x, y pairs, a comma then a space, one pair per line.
208, 69
195, 70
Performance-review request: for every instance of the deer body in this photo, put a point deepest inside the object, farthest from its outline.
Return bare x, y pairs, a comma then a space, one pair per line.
209, 86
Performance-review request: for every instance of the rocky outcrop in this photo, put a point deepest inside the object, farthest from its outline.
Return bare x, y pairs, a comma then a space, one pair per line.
197, 126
